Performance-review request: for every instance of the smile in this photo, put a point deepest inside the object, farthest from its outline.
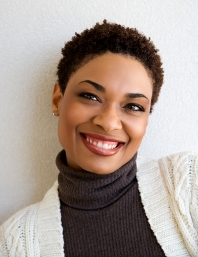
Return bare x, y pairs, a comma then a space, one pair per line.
101, 145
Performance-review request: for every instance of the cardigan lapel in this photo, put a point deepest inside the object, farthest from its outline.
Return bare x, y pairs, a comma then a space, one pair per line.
49, 225
156, 203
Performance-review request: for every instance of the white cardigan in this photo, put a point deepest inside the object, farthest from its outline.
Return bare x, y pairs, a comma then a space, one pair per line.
169, 193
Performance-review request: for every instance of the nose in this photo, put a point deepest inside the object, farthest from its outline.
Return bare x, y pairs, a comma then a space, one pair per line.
108, 119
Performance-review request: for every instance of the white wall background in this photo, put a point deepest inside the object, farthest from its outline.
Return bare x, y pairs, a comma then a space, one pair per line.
32, 34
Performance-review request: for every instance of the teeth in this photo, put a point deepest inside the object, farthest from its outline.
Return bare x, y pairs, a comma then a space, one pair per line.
101, 145
105, 146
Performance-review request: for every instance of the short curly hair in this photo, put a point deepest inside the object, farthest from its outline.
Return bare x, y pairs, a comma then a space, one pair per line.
110, 37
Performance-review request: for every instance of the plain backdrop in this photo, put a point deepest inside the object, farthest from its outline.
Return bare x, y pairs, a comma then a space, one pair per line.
32, 34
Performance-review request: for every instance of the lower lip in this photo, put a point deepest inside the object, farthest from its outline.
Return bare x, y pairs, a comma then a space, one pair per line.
100, 151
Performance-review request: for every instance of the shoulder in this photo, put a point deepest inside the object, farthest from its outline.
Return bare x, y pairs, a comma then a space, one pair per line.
25, 232
175, 167
13, 232
176, 175
180, 172
173, 158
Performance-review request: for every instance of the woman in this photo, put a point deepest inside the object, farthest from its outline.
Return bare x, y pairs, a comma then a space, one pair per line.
104, 204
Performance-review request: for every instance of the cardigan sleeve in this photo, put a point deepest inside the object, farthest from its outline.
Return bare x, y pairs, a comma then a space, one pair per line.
34, 231
17, 234
180, 173
194, 197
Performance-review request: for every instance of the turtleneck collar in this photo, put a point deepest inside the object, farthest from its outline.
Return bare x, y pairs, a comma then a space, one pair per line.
84, 190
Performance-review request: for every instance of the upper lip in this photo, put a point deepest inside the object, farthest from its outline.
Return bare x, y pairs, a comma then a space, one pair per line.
103, 137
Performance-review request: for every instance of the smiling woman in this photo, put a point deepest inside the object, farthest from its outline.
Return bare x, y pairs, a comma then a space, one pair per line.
108, 201
103, 112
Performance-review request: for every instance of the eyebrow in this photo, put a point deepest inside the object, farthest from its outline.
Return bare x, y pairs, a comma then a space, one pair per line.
136, 95
102, 89
94, 84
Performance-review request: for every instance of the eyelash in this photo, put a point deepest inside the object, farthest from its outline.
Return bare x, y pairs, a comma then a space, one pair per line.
89, 96
130, 106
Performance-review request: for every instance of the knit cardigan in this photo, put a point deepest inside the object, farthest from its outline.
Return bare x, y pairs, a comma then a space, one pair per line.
169, 193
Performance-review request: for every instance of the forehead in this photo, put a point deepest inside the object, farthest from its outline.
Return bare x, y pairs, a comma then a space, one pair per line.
114, 71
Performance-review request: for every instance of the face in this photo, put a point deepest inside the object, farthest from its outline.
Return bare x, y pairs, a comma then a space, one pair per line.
103, 113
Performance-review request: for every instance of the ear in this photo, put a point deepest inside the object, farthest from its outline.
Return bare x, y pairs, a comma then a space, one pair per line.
56, 99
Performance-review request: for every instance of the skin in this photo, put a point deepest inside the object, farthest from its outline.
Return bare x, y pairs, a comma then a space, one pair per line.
108, 99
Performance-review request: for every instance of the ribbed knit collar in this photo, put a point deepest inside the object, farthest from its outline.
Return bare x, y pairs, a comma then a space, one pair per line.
81, 189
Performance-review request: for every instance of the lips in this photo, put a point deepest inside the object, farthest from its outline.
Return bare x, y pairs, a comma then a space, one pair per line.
101, 145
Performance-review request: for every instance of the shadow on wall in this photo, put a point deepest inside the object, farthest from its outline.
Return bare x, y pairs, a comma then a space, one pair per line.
43, 145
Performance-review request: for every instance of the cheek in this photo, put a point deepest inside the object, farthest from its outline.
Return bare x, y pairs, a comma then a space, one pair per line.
71, 116
65, 125
137, 128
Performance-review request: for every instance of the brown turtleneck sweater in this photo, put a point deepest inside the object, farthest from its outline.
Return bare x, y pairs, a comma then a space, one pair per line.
102, 215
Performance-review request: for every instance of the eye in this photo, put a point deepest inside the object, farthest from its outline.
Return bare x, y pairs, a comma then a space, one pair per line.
89, 96
134, 107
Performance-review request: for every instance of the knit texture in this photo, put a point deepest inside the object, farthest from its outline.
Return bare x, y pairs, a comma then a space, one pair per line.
34, 231
102, 215
169, 193
84, 190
